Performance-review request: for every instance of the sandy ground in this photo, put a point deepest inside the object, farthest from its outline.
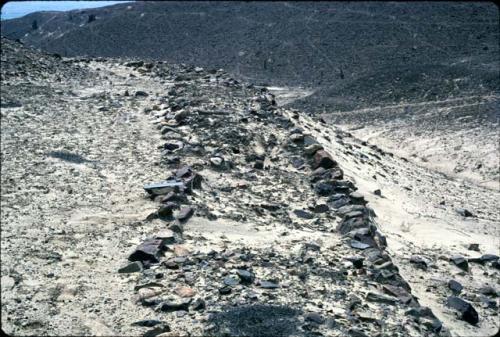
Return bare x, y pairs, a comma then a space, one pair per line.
66, 225
457, 136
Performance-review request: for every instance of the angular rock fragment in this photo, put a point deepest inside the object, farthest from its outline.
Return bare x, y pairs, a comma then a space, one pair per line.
357, 261
190, 178
268, 285
198, 304
149, 250
216, 161
455, 286
226, 290
185, 213
474, 247
460, 262
181, 115
321, 173
424, 315
231, 281
297, 137
245, 276
140, 93
303, 214
489, 257
320, 208
166, 210
375, 297
259, 164
133, 267
314, 317
327, 188
355, 222
359, 245
177, 226
399, 292
337, 201
463, 212
147, 323
419, 262
164, 187
324, 160
357, 198
312, 149
465, 309
167, 236
169, 306
173, 145
157, 330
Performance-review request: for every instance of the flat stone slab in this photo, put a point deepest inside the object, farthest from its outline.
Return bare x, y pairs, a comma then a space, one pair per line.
163, 187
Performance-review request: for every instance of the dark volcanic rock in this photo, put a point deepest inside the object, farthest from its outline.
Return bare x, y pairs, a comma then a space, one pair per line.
323, 159
169, 306
133, 267
359, 245
375, 297
314, 317
198, 304
147, 322
455, 286
185, 213
419, 262
245, 276
460, 262
149, 250
226, 290
141, 94
303, 214
163, 187
463, 212
157, 330
268, 285
466, 310
357, 261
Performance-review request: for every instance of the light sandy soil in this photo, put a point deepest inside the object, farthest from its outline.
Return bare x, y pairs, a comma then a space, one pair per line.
66, 225
457, 136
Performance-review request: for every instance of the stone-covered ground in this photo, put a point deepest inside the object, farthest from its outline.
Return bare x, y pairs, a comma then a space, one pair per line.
253, 230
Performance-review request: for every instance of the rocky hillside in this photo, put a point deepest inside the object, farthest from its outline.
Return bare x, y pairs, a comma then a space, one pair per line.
147, 198
352, 54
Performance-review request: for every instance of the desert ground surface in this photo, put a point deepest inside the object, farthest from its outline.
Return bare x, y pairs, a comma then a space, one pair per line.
299, 227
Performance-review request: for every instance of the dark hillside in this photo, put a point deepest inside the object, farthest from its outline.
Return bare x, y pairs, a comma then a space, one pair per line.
355, 54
